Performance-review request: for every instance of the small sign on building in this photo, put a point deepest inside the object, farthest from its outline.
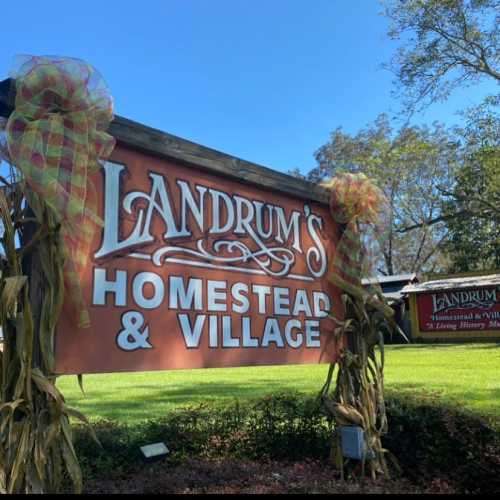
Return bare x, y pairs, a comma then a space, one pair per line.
456, 308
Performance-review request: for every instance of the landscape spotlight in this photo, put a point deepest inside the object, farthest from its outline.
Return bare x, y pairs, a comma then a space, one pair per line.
155, 451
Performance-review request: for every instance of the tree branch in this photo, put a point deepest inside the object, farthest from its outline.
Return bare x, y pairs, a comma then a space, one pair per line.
430, 222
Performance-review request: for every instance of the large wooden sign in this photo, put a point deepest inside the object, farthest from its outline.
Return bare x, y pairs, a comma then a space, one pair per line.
197, 269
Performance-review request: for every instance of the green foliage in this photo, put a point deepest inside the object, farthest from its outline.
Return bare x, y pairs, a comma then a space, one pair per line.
408, 165
443, 188
473, 206
474, 240
445, 44
284, 425
431, 441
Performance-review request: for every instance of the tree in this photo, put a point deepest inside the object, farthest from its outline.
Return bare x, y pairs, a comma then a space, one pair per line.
474, 240
481, 139
474, 236
447, 44
409, 165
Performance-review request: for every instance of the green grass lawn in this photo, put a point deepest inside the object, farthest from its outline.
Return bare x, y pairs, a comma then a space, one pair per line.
468, 374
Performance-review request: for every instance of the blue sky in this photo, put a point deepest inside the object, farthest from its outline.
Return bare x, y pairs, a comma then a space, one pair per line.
262, 80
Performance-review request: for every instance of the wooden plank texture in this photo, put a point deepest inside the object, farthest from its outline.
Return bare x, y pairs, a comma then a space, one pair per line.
162, 144
167, 145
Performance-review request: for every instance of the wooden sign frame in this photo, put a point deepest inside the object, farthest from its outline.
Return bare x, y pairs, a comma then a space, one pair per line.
166, 149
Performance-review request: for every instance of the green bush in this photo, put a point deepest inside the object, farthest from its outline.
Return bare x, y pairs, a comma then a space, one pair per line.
430, 441
284, 426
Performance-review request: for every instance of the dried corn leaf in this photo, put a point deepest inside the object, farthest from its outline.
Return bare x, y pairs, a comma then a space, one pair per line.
11, 288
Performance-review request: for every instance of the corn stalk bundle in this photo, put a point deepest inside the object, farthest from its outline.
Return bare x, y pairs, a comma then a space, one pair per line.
51, 140
36, 449
358, 395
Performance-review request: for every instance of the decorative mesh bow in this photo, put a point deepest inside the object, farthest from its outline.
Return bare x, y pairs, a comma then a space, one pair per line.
56, 136
361, 209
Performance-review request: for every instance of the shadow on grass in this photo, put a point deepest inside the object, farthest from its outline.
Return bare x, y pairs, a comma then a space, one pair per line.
475, 345
158, 400
479, 402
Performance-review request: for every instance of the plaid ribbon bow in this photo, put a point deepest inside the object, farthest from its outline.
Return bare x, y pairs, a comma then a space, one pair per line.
361, 208
56, 136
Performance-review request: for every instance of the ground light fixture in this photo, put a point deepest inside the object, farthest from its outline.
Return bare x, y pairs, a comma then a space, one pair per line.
154, 451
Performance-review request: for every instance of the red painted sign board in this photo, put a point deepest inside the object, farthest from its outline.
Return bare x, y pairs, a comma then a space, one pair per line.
466, 309
193, 269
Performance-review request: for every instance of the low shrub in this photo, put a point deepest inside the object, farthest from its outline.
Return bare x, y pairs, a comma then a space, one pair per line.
434, 441
431, 442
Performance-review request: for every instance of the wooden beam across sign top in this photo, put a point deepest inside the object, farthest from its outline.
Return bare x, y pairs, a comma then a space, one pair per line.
216, 303
153, 141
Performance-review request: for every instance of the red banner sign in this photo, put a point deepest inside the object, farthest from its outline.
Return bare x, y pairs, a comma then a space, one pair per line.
474, 309
194, 270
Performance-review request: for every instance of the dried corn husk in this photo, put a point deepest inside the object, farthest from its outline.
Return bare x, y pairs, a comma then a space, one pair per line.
358, 398
36, 449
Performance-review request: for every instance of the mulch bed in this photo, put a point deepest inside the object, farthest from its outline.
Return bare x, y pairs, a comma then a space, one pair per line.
243, 476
